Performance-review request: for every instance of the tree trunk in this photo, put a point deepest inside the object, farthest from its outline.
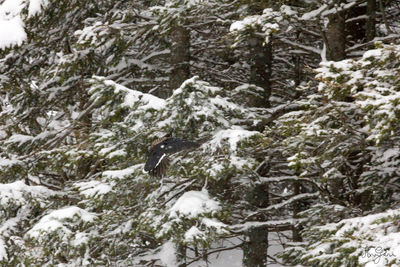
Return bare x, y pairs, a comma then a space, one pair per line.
180, 58
84, 164
370, 25
335, 37
260, 68
182, 255
296, 236
255, 248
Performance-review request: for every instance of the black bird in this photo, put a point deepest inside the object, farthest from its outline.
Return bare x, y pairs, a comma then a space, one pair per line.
158, 161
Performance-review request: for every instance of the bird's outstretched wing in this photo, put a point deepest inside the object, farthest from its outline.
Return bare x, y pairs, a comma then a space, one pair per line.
173, 145
157, 164
158, 161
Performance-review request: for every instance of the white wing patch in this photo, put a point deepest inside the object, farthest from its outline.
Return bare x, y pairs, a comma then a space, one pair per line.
159, 160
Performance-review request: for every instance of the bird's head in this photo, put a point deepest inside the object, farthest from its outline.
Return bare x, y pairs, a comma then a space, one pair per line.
155, 142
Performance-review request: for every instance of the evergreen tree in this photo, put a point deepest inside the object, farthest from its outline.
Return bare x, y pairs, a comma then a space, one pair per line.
351, 125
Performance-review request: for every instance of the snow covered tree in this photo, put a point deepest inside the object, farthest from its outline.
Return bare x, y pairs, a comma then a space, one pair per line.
315, 32
257, 33
343, 144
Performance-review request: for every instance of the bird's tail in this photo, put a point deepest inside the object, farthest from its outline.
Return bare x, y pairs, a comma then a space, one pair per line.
189, 144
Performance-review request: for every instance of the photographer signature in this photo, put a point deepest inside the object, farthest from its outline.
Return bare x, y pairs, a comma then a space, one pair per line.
376, 253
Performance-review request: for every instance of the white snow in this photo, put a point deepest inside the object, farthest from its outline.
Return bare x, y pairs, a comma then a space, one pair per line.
121, 173
240, 162
255, 20
132, 97
193, 203
80, 239
273, 223
213, 223
55, 221
323, 53
313, 14
19, 138
8, 162
167, 255
375, 237
379, 96
153, 102
105, 150
11, 8
12, 30
232, 136
191, 3
35, 6
117, 153
3, 252
198, 85
246, 22
248, 88
14, 192
110, 151
267, 22
194, 233
287, 10
93, 188
219, 101
376, 53
88, 33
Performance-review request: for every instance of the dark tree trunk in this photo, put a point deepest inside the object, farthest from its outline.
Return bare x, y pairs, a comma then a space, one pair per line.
182, 255
370, 25
335, 37
255, 248
298, 74
180, 58
296, 209
83, 165
260, 68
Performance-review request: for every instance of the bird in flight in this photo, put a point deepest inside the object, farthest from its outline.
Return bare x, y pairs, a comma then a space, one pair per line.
158, 161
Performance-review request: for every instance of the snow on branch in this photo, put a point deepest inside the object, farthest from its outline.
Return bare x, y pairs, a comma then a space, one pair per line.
289, 201
362, 236
131, 97
60, 220
306, 48
3, 252
12, 32
193, 203
273, 225
92, 189
232, 136
265, 24
15, 192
